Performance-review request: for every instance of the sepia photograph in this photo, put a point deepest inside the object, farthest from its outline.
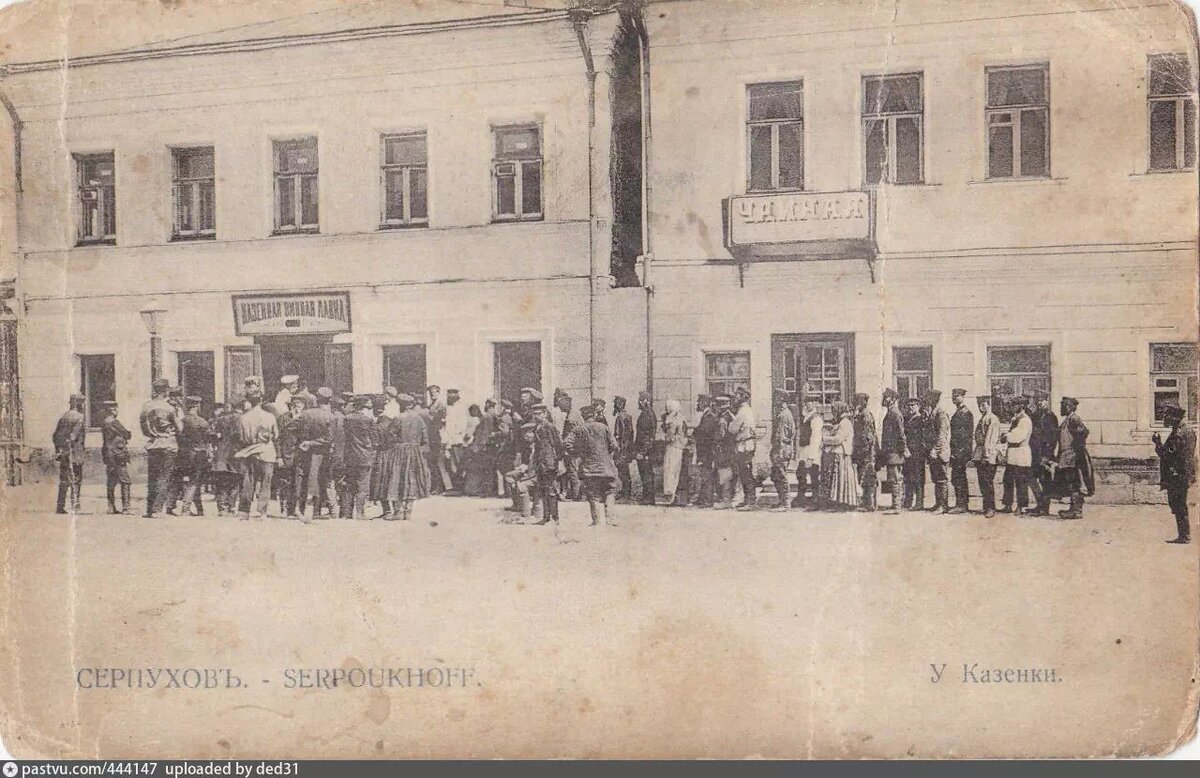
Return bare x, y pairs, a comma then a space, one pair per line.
598, 379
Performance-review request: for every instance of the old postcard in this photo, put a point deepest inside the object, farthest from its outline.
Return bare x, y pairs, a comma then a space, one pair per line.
597, 378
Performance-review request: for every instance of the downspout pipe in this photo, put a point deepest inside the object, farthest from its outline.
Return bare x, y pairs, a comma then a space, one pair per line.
647, 250
579, 21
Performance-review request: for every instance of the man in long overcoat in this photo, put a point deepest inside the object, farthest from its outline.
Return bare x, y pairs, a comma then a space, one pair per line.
69, 451
1177, 468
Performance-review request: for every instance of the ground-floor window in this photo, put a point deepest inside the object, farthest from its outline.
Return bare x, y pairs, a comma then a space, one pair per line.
1173, 378
98, 383
404, 367
1015, 371
912, 371
725, 371
197, 378
817, 366
515, 365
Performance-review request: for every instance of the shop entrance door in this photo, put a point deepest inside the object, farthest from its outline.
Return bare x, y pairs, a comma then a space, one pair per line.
314, 358
517, 364
818, 365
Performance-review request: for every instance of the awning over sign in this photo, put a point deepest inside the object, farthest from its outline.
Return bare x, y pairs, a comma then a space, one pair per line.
789, 226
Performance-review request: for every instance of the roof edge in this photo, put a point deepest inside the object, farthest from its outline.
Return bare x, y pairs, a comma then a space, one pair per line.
287, 41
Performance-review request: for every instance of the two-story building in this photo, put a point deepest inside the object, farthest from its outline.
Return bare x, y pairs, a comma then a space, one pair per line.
352, 196
997, 196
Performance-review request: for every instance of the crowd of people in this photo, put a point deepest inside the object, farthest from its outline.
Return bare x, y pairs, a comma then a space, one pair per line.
320, 455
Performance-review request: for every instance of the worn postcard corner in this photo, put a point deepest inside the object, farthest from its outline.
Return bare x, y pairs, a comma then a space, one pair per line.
598, 379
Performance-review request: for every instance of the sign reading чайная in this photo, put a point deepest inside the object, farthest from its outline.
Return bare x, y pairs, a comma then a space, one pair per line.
797, 217
292, 314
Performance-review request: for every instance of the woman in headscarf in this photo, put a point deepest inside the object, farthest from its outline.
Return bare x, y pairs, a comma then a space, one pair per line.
407, 479
675, 432
839, 480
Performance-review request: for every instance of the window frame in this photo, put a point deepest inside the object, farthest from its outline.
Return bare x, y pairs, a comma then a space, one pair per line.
1016, 112
518, 175
407, 221
1000, 408
296, 181
193, 183
1181, 101
774, 124
105, 196
710, 378
85, 385
1181, 389
890, 119
910, 375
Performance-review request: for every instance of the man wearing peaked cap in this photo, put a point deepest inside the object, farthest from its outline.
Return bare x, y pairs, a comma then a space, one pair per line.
283, 399
313, 464
191, 463
938, 441
1177, 467
69, 436
644, 435
624, 433
115, 454
1074, 462
160, 422
962, 448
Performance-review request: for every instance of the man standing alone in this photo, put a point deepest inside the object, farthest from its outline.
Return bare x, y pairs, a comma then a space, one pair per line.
68, 449
1177, 468
160, 426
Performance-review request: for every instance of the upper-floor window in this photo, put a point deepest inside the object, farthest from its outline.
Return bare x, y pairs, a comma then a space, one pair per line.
775, 136
194, 193
1018, 121
893, 110
517, 173
96, 174
405, 180
296, 193
1172, 113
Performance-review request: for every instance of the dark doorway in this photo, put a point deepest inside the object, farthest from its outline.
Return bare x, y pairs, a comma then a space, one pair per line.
404, 368
315, 359
516, 365
197, 378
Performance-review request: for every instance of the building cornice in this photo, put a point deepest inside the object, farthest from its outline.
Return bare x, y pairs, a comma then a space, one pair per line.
285, 41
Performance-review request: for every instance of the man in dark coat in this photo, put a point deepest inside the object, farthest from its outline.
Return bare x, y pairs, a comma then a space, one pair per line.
893, 448
159, 421
915, 423
623, 431
647, 427
593, 443
1074, 462
361, 439
435, 420
312, 461
193, 459
866, 447
1177, 468
962, 448
69, 437
115, 453
227, 478
1043, 444
705, 438
285, 469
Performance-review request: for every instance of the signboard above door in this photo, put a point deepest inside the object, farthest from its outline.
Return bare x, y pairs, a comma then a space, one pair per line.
798, 217
292, 314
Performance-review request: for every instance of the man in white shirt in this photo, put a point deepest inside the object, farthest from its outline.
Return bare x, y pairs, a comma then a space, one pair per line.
283, 399
454, 438
743, 429
391, 407
987, 453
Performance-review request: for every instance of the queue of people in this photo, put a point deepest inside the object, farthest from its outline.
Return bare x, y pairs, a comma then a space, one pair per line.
317, 455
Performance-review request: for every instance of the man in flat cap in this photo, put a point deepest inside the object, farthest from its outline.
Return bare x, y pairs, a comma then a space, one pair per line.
938, 438
435, 421
312, 461
624, 432
455, 440
744, 429
69, 437
1177, 467
1074, 462
704, 436
546, 462
283, 398
1043, 445
987, 453
191, 464
285, 468
783, 450
962, 447
916, 430
643, 446
893, 448
593, 444
160, 423
114, 452
865, 451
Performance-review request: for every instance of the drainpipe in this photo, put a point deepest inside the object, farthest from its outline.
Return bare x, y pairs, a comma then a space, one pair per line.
579, 20
647, 254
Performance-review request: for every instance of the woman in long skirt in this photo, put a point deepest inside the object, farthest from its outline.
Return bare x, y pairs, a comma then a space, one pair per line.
839, 481
408, 478
675, 431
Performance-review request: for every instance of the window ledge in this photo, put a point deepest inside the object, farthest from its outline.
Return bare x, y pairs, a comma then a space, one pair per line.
294, 233
1019, 181
517, 220
890, 185
392, 227
191, 238
91, 244
1157, 173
